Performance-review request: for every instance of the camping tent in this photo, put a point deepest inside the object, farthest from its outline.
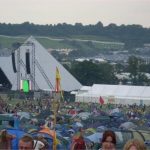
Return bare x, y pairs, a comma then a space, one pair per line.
18, 133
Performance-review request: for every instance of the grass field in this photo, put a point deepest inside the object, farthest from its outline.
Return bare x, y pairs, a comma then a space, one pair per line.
75, 42
92, 37
55, 44
7, 41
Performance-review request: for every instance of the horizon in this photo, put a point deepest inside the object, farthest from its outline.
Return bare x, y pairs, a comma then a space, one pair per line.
70, 23
127, 12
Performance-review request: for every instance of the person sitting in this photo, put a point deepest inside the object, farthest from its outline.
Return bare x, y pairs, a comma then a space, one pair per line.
5, 140
108, 140
26, 143
134, 144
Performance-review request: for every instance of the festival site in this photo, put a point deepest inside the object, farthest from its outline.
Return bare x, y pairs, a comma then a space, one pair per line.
43, 107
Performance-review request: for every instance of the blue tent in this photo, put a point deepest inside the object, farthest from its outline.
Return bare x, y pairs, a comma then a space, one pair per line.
18, 133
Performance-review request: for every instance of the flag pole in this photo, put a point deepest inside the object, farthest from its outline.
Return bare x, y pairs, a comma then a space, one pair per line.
56, 103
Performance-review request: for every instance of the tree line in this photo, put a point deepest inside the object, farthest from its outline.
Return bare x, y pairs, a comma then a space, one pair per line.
131, 35
89, 73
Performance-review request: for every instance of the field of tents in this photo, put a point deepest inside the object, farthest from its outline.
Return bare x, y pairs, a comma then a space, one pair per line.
93, 118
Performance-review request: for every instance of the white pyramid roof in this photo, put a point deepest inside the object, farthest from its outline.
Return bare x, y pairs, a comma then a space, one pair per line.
48, 64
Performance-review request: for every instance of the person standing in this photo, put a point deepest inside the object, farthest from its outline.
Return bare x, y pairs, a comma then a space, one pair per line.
78, 142
26, 143
134, 144
108, 140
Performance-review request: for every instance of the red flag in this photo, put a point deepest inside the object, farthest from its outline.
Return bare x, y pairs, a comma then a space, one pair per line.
101, 100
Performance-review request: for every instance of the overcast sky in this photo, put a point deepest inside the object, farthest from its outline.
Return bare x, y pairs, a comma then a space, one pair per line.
72, 11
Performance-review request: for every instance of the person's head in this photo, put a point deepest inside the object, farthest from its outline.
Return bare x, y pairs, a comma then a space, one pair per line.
108, 140
134, 144
26, 143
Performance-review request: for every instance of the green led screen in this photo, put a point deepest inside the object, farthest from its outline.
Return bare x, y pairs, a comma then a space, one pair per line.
25, 85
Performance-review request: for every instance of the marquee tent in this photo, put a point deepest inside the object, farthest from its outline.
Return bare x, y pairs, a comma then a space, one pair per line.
117, 94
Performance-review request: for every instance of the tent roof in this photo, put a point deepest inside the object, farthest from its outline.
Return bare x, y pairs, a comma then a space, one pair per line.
118, 91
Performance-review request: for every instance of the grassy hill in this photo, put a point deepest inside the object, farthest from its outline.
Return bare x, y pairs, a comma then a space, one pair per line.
78, 42
7, 41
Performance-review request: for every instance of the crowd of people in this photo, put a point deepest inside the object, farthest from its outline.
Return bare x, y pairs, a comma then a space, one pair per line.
24, 105
108, 142
78, 142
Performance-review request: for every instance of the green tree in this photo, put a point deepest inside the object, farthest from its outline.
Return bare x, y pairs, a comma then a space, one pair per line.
133, 67
142, 79
89, 73
145, 68
134, 64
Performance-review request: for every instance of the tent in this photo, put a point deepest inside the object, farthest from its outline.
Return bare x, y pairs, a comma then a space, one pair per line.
18, 133
115, 94
128, 125
96, 137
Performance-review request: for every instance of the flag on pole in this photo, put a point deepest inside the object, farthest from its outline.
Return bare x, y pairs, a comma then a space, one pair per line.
58, 84
101, 100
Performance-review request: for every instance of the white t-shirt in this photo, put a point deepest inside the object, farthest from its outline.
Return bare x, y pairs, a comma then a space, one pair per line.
38, 145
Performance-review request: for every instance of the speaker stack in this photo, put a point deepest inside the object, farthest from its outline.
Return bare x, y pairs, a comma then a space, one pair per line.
13, 62
28, 62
